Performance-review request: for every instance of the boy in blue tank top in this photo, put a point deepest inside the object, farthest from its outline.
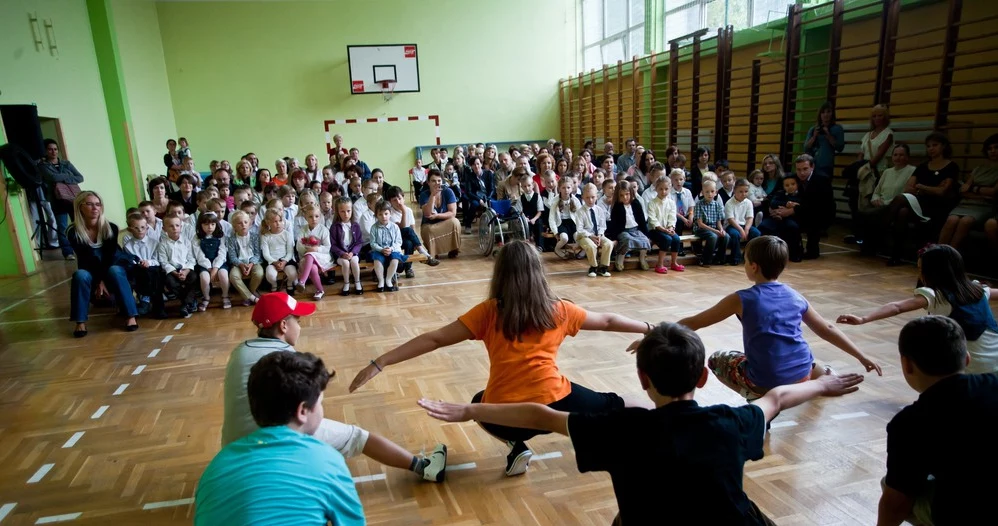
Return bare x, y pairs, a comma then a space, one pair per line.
771, 314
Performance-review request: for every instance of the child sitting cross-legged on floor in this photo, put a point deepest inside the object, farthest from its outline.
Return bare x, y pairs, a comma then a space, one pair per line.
771, 314
704, 448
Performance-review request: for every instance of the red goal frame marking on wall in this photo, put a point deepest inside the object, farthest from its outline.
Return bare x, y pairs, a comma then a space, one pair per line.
337, 122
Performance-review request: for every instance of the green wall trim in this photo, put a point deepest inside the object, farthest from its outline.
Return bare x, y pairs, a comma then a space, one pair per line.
115, 96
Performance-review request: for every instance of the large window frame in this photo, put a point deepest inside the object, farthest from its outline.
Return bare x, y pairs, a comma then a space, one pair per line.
605, 43
701, 10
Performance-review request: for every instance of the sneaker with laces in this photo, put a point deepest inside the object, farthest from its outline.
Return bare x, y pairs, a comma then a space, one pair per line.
603, 271
437, 468
592, 272
518, 460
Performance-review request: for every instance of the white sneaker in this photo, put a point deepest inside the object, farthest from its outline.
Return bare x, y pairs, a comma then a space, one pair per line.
318, 295
437, 468
517, 465
560, 252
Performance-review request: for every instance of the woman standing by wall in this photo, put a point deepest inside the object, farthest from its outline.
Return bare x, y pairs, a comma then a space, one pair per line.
825, 140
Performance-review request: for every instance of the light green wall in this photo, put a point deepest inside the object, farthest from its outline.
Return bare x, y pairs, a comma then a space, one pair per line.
263, 76
140, 48
65, 86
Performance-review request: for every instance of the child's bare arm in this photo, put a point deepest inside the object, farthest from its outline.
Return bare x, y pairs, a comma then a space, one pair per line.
527, 415
831, 334
730, 304
886, 311
787, 396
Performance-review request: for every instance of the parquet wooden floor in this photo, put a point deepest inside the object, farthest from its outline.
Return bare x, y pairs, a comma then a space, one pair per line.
116, 428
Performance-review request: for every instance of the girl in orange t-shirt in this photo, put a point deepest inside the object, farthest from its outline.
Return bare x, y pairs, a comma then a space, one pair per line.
522, 324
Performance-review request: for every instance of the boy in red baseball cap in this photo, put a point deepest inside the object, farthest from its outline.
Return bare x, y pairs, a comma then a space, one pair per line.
276, 319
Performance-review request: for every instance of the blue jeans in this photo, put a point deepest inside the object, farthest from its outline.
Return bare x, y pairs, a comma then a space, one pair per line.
665, 242
735, 241
712, 250
116, 282
62, 223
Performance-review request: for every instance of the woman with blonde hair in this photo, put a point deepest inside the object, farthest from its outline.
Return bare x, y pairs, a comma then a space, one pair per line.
95, 242
878, 142
522, 324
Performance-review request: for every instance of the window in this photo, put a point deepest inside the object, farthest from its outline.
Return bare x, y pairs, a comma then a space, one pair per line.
612, 30
683, 17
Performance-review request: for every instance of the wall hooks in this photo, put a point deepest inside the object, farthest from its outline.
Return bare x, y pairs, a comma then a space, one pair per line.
50, 35
35, 30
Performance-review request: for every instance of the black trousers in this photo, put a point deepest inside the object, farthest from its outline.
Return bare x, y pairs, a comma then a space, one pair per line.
149, 282
183, 290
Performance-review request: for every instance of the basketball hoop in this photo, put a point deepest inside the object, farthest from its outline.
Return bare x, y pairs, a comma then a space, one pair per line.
388, 89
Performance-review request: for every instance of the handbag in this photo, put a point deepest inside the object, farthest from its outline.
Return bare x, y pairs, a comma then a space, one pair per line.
65, 191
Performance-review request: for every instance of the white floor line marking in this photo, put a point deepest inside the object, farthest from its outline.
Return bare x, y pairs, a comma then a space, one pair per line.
6, 509
99, 413
179, 326
154, 353
167, 504
40, 474
369, 478
138, 370
59, 518
782, 423
459, 467
545, 456
63, 318
167, 338
15, 304
826, 253
846, 416
73, 439
121, 389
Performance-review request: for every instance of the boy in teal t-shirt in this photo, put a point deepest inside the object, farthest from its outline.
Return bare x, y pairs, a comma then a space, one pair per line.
279, 473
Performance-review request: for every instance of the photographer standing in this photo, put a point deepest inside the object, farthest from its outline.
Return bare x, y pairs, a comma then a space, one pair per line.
825, 140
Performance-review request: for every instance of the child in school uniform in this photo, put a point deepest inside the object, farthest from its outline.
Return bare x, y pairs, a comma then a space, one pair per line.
704, 449
366, 220
404, 218
684, 202
313, 250
739, 215
154, 224
288, 199
210, 256
146, 271
591, 224
757, 193
662, 222
386, 248
561, 219
727, 189
628, 226
242, 249
605, 200
771, 314
176, 256
217, 207
277, 246
533, 208
346, 241
251, 210
305, 198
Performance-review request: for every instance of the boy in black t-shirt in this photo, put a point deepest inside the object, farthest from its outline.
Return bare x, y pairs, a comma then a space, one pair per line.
939, 466
678, 463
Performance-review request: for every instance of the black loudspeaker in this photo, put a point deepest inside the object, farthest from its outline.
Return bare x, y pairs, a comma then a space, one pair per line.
20, 165
20, 121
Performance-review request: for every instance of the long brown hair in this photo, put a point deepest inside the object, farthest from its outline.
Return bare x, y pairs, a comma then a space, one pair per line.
524, 302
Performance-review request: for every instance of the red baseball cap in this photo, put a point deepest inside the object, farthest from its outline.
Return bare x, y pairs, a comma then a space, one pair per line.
276, 306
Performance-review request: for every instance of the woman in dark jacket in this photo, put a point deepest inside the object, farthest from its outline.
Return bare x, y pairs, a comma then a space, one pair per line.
54, 170
95, 240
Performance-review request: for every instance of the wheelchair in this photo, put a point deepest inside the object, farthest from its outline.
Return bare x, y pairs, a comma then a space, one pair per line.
500, 220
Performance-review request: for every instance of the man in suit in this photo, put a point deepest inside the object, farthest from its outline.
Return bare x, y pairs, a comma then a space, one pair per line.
817, 208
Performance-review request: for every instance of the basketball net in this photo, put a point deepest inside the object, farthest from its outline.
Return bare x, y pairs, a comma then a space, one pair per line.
388, 89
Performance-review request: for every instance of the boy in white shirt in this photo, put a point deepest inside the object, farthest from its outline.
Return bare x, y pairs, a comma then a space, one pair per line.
590, 224
684, 202
739, 214
145, 272
154, 223
175, 254
402, 216
366, 220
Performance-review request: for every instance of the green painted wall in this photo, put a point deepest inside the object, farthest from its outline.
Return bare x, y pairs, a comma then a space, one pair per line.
140, 48
65, 86
263, 76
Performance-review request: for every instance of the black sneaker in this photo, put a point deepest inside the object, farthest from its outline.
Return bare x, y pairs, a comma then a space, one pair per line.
409, 273
592, 272
603, 271
518, 460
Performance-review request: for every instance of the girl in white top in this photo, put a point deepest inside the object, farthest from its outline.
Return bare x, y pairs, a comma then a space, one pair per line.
662, 223
949, 292
313, 250
277, 247
307, 197
561, 218
877, 142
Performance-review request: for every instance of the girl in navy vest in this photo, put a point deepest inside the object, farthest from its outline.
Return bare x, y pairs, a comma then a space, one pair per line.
949, 292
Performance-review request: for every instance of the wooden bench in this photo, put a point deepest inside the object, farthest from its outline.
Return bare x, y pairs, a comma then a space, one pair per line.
414, 258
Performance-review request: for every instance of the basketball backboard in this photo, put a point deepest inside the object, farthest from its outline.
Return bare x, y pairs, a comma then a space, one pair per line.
372, 65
